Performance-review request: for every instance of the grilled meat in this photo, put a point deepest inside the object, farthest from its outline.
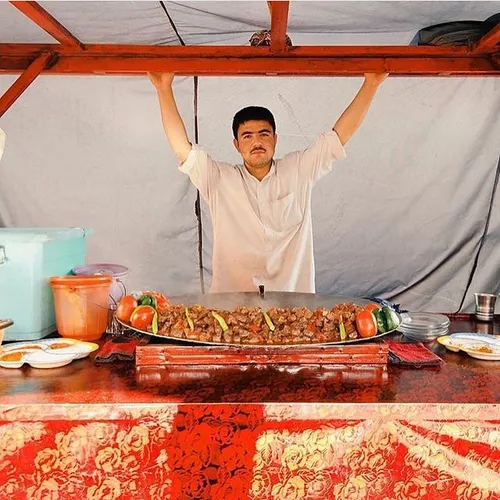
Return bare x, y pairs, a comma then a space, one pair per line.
249, 325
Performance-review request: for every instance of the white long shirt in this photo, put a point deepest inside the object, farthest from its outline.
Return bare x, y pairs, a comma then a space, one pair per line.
263, 229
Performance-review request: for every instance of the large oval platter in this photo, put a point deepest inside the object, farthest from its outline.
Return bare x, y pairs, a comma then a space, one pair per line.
230, 301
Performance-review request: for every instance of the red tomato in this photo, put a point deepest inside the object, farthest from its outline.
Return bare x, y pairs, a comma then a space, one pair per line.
371, 307
142, 317
125, 308
366, 324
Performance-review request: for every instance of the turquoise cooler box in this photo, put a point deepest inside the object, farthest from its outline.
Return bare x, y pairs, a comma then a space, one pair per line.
28, 257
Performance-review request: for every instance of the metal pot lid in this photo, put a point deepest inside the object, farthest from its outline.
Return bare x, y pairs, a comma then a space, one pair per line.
229, 301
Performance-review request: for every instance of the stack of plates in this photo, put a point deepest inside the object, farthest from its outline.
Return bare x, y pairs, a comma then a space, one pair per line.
424, 327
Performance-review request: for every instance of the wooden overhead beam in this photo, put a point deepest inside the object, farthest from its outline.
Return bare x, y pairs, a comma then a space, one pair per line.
43, 19
23, 82
233, 61
209, 51
270, 66
279, 23
488, 42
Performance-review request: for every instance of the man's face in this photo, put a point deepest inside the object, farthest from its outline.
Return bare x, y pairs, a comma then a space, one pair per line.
256, 143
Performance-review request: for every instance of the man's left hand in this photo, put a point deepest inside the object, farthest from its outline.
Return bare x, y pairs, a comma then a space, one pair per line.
375, 78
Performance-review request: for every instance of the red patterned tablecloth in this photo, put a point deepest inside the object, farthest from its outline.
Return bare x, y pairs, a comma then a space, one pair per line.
110, 432
256, 451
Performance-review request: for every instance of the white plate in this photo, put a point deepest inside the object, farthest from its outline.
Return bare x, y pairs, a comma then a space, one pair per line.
24, 345
428, 336
421, 321
45, 359
473, 344
16, 364
486, 356
79, 348
12, 364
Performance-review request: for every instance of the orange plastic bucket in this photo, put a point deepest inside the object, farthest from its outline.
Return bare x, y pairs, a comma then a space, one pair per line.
81, 305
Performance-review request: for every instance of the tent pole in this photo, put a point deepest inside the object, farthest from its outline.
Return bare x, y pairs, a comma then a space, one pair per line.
279, 23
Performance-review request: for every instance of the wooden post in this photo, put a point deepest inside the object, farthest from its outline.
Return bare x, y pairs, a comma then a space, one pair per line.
279, 23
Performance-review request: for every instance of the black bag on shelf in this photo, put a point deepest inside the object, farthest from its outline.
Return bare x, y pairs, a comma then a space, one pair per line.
455, 32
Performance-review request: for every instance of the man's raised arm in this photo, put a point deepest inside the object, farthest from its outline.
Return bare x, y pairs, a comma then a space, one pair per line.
353, 116
172, 121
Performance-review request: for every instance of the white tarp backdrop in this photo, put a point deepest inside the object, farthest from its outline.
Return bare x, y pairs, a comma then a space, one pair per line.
401, 217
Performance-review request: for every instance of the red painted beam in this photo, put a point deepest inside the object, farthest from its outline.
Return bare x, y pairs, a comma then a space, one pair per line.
41, 17
279, 23
489, 42
233, 61
189, 51
23, 82
339, 66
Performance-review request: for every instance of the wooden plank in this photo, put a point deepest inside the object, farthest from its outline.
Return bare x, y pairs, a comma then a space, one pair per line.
23, 82
275, 66
266, 355
279, 23
178, 378
192, 51
489, 42
233, 61
43, 19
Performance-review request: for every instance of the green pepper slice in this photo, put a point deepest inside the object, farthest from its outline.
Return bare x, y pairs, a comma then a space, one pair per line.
381, 321
147, 300
269, 321
391, 318
343, 334
220, 320
189, 319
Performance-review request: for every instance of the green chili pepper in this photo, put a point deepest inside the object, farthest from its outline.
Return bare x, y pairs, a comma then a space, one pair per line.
220, 320
343, 334
269, 322
190, 321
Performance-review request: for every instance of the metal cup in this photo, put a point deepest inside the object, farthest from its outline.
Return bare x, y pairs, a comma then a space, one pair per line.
487, 328
485, 306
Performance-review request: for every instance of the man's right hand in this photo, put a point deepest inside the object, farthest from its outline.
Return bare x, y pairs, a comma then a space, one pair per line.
161, 80
172, 121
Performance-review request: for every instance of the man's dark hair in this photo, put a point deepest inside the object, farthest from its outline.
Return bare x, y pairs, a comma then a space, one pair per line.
252, 113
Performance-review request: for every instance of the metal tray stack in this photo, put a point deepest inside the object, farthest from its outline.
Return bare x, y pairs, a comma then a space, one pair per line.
423, 326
